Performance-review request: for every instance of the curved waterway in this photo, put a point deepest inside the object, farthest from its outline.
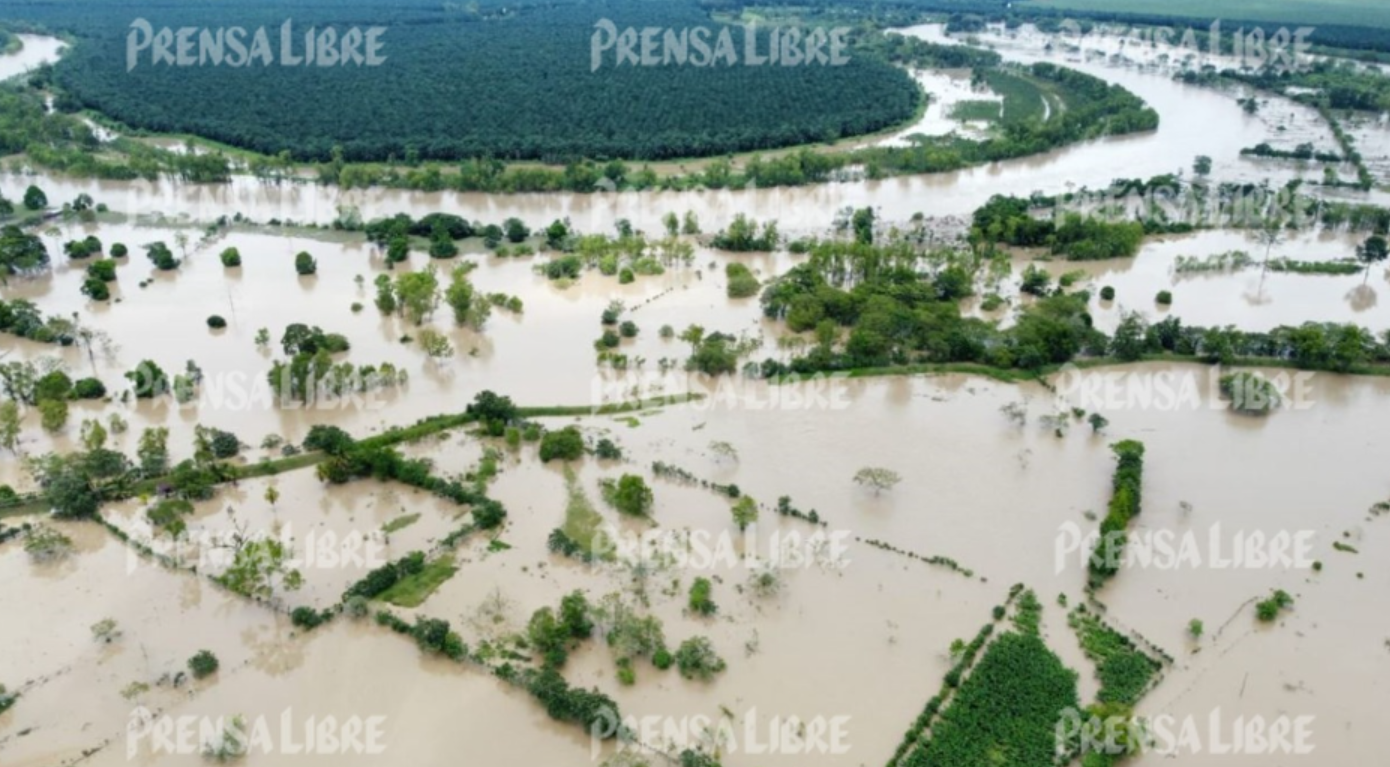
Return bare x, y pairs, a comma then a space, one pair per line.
1194, 121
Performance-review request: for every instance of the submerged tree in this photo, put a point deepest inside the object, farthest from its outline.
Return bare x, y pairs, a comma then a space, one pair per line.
876, 478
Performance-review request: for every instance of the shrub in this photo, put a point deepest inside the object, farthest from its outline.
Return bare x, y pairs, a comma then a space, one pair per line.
567, 444
1164, 298
700, 601
119, 250
203, 664
308, 618
231, 257
1107, 293
329, 439
305, 264
742, 283
53, 386
626, 276
104, 270
224, 444
1249, 393
161, 256
628, 329
1268, 609
95, 289
88, 388
696, 659
608, 450
632, 496
216, 322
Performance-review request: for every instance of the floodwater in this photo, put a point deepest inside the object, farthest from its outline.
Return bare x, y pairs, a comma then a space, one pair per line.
1195, 121
860, 638
37, 50
1249, 298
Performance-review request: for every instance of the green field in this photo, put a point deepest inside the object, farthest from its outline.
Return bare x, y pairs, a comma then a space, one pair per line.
967, 111
1023, 99
412, 591
1365, 13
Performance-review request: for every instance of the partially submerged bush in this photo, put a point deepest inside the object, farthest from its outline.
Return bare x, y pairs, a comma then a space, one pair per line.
203, 664
1250, 393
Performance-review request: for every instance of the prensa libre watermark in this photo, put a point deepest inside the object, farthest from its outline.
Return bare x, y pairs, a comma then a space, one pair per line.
1172, 550
231, 737
239, 47
1183, 390
710, 550
777, 735
731, 392
1168, 735
1255, 48
216, 550
693, 46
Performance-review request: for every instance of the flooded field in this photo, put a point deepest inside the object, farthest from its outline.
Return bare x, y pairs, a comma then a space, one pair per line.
997, 483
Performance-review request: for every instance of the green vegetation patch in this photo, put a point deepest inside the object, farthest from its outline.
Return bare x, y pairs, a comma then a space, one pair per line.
1006, 711
583, 523
413, 590
400, 523
522, 86
1023, 98
977, 111
1124, 670
1124, 506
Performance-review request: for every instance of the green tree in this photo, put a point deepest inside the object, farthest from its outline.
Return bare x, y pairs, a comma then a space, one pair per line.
565, 444
418, 294
632, 496
385, 294
9, 425
469, 309
1128, 343
745, 512
203, 664
304, 264
74, 485
878, 479
259, 568
700, 601
441, 244
436, 345
398, 250
53, 414
1371, 252
696, 659
21, 252
93, 434
34, 198
152, 451
515, 230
